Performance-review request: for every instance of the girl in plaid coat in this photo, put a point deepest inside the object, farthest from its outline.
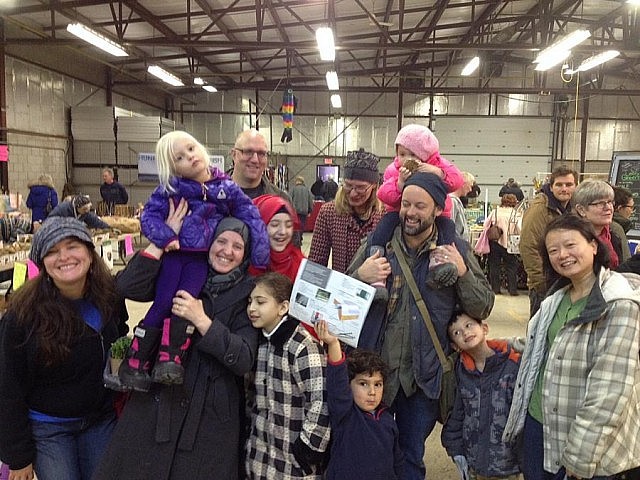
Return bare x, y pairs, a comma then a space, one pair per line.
289, 415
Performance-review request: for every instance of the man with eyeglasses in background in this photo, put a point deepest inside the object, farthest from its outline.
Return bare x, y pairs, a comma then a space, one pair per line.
552, 201
342, 223
250, 160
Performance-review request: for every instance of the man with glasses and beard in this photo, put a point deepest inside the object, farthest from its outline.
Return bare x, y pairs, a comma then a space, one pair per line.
342, 223
398, 330
250, 160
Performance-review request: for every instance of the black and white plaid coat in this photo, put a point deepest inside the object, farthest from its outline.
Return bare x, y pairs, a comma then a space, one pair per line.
289, 406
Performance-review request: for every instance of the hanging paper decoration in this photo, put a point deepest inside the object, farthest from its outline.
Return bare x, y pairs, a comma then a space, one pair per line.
289, 103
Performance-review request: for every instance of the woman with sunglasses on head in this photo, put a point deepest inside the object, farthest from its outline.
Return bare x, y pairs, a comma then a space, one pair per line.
341, 224
593, 201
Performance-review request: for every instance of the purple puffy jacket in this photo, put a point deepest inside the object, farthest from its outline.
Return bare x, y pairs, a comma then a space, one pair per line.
208, 203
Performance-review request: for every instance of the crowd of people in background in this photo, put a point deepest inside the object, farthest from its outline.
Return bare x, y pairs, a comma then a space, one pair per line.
220, 381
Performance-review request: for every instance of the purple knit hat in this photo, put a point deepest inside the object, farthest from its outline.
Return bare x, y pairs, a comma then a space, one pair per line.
419, 139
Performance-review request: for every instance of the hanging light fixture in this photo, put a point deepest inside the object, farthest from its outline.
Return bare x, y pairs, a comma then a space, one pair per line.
470, 67
198, 81
210, 88
96, 39
165, 76
326, 44
332, 80
595, 60
560, 49
336, 101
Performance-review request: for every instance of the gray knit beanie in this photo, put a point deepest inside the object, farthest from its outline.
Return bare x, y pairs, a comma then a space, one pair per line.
361, 165
54, 230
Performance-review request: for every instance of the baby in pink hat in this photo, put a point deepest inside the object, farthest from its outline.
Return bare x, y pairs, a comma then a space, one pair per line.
417, 144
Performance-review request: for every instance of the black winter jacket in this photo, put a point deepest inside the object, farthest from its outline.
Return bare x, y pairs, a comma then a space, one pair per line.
190, 431
71, 389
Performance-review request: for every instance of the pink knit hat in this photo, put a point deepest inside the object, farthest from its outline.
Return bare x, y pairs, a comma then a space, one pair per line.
420, 140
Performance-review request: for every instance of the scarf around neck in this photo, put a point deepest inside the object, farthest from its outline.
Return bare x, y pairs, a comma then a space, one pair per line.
217, 283
605, 237
287, 261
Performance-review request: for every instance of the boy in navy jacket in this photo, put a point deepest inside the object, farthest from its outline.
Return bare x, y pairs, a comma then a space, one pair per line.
364, 434
486, 373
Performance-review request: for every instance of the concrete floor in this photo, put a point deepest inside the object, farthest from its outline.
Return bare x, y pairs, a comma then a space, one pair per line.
508, 318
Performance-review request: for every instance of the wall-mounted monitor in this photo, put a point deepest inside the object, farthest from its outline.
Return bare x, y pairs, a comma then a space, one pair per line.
325, 171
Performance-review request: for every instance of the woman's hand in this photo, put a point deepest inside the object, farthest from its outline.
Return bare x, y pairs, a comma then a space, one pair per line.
191, 309
25, 473
176, 215
376, 268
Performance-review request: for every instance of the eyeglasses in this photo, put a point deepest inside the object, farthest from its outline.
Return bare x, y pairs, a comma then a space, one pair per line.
602, 204
247, 153
632, 207
356, 188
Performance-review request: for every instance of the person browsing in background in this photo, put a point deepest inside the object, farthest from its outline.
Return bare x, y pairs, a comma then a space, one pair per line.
593, 200
289, 418
250, 157
458, 214
56, 416
79, 207
513, 188
486, 374
42, 198
302, 201
576, 403
624, 206
112, 192
503, 217
329, 189
365, 438
552, 201
397, 329
185, 173
343, 223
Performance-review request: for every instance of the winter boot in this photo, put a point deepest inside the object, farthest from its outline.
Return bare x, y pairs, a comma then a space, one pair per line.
134, 371
176, 338
443, 275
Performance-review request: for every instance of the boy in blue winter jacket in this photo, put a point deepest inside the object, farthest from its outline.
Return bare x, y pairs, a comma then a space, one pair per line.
486, 373
364, 434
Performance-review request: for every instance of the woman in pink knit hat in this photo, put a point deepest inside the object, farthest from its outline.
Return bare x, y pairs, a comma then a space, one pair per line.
417, 149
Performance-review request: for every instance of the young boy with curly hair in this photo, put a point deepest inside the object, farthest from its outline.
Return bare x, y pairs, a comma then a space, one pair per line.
364, 434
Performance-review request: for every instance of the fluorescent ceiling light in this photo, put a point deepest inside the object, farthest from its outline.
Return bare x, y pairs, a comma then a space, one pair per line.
552, 60
326, 44
332, 80
210, 88
336, 101
165, 76
635, 3
470, 67
564, 44
595, 60
198, 81
96, 39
